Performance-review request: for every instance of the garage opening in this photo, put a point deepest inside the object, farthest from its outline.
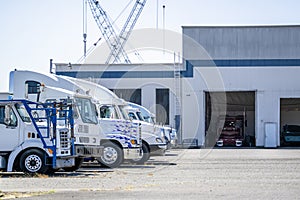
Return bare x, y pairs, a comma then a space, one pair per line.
230, 119
290, 122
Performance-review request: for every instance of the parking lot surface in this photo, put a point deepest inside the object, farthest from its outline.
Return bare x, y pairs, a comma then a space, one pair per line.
226, 173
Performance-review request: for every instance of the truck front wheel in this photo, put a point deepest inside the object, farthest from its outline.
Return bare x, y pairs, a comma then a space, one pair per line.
33, 161
145, 155
112, 155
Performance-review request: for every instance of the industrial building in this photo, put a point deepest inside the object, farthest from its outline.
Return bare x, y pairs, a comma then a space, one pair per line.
246, 73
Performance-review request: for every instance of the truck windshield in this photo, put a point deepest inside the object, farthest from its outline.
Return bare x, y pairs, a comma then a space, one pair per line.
147, 116
22, 112
148, 119
140, 116
86, 110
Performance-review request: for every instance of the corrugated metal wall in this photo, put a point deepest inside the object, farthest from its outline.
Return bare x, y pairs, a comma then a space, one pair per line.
257, 42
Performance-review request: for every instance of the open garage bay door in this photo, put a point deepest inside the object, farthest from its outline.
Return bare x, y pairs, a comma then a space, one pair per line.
230, 118
290, 122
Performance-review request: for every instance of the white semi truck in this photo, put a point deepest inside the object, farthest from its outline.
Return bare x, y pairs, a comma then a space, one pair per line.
36, 144
89, 132
114, 113
170, 133
30, 85
123, 139
154, 142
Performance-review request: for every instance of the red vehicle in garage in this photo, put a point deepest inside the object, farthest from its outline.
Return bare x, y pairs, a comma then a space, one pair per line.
232, 133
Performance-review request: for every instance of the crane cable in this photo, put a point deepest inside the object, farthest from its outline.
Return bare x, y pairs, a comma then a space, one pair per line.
122, 12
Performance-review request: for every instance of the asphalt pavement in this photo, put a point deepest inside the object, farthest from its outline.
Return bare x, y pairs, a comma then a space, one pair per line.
222, 173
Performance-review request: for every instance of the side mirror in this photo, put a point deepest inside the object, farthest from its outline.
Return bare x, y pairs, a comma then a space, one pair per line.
35, 115
7, 119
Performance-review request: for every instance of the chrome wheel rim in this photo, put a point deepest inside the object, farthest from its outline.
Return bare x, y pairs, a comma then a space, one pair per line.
110, 155
33, 163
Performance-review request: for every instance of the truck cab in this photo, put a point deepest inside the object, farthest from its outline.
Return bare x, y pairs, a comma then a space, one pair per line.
86, 129
122, 139
170, 134
35, 144
119, 131
153, 140
48, 88
232, 131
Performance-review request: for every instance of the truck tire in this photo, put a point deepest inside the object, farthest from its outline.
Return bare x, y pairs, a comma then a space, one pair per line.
112, 155
145, 155
33, 161
78, 162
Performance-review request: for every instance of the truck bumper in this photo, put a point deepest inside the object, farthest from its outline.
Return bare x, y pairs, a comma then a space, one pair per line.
131, 153
236, 142
88, 150
64, 162
158, 150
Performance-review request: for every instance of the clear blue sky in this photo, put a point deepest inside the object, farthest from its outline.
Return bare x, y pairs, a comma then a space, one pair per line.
34, 31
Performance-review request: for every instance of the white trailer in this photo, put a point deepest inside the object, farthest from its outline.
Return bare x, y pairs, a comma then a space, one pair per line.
31, 85
35, 144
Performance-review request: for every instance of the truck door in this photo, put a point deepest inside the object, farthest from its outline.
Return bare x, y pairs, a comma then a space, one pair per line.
110, 122
9, 130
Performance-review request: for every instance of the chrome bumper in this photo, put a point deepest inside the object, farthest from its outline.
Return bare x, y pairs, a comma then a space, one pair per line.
88, 150
131, 153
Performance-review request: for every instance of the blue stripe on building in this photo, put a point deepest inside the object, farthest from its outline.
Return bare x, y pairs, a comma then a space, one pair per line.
188, 72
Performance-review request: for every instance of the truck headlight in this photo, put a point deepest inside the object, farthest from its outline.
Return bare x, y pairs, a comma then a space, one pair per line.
158, 140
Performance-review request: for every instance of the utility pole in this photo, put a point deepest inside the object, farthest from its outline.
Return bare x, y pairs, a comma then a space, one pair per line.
156, 14
164, 26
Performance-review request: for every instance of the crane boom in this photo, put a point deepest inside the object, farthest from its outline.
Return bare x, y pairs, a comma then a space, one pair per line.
108, 32
127, 29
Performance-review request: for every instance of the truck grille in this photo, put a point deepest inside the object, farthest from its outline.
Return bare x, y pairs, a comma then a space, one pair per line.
64, 139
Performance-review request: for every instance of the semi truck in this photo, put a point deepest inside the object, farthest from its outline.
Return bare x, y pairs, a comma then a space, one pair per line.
232, 131
36, 143
89, 130
31, 85
123, 139
153, 139
169, 133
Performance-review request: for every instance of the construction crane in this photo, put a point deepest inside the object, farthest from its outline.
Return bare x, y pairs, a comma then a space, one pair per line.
116, 43
128, 27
